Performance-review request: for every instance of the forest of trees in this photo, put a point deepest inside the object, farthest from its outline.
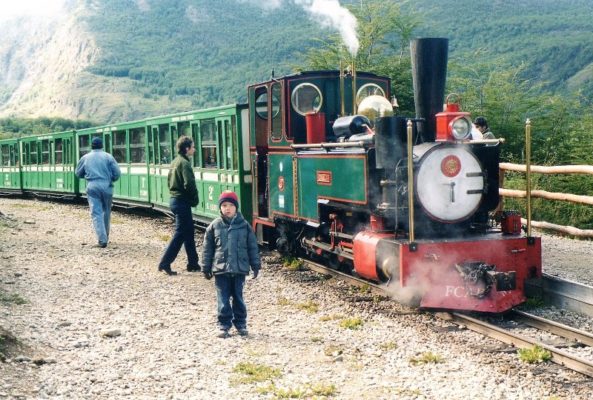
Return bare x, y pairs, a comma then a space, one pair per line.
534, 65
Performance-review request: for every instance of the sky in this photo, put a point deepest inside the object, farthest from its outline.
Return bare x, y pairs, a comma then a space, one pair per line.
15, 8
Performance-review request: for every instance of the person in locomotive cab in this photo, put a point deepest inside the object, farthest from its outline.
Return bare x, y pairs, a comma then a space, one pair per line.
230, 250
184, 196
482, 125
100, 170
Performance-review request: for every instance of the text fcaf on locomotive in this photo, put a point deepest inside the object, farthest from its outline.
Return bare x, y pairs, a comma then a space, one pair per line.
399, 200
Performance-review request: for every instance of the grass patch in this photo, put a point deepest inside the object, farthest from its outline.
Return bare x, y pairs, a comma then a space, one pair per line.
533, 302
310, 306
427, 358
309, 391
283, 301
117, 220
535, 354
292, 264
323, 390
408, 392
12, 298
351, 323
332, 350
164, 237
363, 289
388, 346
252, 373
332, 317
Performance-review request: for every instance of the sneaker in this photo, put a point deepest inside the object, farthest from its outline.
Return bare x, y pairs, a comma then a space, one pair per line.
223, 334
194, 269
101, 245
242, 331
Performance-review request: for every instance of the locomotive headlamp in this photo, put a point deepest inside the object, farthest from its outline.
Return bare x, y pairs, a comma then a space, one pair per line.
461, 128
452, 123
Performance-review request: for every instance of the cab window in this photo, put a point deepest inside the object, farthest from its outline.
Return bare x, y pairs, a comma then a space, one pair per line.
370, 89
306, 98
276, 111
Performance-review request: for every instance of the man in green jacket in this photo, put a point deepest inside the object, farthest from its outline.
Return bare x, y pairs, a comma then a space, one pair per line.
184, 196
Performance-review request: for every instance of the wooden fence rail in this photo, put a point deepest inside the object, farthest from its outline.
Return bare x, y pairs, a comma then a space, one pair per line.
573, 198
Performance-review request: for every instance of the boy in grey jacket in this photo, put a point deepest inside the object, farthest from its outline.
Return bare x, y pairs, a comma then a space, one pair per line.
230, 250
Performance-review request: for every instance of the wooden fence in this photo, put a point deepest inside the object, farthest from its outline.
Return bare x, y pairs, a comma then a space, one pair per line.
573, 198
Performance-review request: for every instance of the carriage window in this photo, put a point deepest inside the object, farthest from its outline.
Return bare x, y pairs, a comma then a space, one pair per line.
228, 140
137, 145
13, 156
195, 131
153, 145
184, 129
59, 151
174, 133
370, 89
306, 98
209, 144
84, 145
276, 112
235, 142
119, 146
45, 152
107, 143
4, 156
33, 153
164, 144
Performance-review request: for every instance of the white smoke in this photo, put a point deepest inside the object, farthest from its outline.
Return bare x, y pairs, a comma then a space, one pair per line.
329, 13
143, 5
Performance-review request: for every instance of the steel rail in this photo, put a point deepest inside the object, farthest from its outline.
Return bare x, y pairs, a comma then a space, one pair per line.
558, 356
562, 293
565, 331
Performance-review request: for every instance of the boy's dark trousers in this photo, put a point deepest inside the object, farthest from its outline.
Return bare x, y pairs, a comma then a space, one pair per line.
231, 313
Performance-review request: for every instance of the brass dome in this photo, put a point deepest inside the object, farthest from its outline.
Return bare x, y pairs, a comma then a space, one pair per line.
374, 107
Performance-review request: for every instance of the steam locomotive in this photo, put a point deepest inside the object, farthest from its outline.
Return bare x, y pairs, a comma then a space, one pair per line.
405, 201
325, 169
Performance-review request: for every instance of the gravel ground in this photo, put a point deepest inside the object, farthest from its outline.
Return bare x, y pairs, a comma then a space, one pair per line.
103, 323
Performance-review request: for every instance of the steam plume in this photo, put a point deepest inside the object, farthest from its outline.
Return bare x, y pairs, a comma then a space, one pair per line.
328, 13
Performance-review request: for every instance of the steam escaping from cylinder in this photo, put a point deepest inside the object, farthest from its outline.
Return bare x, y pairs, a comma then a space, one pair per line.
429, 72
329, 13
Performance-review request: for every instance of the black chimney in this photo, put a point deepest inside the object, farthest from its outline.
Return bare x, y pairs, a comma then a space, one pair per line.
429, 72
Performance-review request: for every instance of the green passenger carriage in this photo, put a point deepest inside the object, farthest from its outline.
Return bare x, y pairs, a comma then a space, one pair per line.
144, 149
10, 179
47, 164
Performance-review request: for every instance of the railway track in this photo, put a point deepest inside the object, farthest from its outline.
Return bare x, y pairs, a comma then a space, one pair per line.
565, 292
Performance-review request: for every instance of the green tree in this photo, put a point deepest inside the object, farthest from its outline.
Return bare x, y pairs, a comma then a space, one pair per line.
384, 34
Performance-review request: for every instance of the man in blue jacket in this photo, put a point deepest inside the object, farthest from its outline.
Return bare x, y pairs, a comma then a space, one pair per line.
100, 171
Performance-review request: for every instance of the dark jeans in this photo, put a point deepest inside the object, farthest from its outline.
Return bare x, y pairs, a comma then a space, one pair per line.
184, 235
227, 286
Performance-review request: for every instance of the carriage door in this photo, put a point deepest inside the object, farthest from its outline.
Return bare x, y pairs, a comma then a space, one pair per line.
68, 162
